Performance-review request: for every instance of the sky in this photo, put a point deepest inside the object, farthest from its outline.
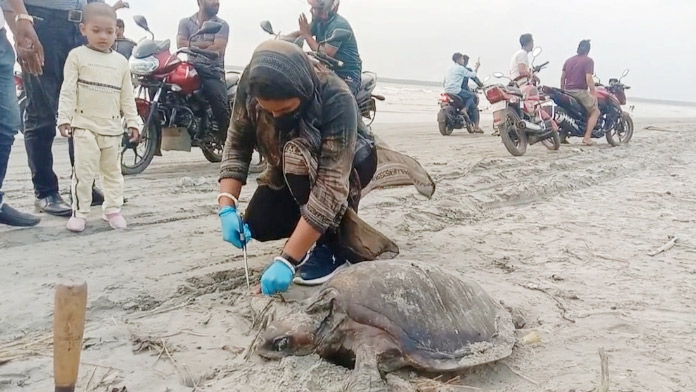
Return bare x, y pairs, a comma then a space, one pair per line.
415, 39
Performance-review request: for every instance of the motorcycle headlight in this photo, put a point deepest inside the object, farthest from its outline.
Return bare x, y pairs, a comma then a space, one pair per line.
143, 66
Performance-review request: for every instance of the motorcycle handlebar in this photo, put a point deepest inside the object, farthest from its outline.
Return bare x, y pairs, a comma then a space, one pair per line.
201, 52
330, 61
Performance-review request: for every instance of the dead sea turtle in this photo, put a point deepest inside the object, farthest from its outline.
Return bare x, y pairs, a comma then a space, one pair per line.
384, 315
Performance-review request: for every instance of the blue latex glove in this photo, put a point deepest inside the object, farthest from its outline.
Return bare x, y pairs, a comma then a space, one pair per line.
276, 278
233, 227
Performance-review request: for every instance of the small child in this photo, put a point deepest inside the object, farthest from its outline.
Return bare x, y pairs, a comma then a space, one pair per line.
96, 89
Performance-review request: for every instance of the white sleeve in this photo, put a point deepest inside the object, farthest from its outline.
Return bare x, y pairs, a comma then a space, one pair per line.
523, 58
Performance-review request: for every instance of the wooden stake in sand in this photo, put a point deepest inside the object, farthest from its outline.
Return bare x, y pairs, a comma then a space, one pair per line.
664, 248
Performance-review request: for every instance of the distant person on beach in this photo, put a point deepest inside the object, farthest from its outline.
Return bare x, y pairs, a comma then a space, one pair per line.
123, 45
457, 83
45, 32
96, 90
325, 20
520, 67
577, 79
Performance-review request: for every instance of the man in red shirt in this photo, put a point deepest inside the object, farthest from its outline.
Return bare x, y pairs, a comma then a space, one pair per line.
577, 80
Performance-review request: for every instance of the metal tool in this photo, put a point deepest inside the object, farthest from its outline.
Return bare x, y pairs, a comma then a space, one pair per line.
246, 263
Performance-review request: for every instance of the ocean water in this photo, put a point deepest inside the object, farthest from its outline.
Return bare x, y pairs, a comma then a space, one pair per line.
419, 104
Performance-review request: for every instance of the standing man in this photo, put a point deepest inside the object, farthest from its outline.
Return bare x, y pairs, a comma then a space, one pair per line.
577, 79
123, 45
211, 72
325, 20
457, 83
45, 32
9, 123
520, 68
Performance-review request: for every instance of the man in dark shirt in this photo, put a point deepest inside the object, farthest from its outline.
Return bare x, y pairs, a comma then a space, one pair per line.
325, 20
123, 45
211, 72
577, 79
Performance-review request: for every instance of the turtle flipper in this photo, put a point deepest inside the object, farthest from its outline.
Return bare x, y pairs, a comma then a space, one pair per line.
366, 376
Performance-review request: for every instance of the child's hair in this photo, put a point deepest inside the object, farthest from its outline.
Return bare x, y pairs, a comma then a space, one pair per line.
92, 10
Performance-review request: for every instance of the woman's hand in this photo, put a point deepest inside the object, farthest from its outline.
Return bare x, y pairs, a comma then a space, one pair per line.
277, 277
234, 230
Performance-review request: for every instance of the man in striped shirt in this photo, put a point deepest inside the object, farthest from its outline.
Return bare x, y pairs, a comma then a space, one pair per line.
45, 32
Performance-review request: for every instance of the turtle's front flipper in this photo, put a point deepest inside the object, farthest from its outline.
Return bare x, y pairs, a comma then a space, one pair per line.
366, 376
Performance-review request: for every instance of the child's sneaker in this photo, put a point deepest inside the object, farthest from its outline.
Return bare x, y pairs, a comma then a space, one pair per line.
116, 221
77, 225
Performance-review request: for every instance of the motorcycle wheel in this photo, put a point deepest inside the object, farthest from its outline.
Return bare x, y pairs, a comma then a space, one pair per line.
514, 140
445, 129
554, 142
212, 151
144, 151
622, 133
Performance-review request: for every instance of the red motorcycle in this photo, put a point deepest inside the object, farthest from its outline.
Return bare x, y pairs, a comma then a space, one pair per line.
614, 124
523, 120
174, 113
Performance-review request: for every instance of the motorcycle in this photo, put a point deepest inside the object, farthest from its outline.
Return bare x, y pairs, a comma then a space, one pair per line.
21, 98
367, 100
614, 124
523, 119
170, 103
453, 115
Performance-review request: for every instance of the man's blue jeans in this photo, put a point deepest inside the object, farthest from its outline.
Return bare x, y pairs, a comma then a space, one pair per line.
470, 105
9, 110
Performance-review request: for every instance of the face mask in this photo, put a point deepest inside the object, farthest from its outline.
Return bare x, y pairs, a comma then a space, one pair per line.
288, 121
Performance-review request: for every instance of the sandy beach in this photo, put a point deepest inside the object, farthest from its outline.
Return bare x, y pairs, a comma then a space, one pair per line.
562, 237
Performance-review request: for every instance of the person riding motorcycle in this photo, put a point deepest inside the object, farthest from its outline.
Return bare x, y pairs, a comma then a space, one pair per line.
457, 83
578, 82
325, 20
211, 72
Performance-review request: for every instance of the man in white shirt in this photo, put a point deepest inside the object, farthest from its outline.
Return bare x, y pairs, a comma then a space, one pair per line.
519, 65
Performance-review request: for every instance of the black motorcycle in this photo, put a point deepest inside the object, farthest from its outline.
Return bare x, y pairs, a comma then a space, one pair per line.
453, 115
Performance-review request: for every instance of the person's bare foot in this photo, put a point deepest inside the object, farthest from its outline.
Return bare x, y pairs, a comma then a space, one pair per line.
587, 142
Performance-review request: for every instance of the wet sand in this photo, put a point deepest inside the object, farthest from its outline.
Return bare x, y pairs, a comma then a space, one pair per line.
562, 237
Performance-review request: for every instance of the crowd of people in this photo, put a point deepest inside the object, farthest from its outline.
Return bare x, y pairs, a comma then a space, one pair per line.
302, 117
576, 79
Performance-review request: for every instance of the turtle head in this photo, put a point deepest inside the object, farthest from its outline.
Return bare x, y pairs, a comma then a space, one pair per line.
291, 335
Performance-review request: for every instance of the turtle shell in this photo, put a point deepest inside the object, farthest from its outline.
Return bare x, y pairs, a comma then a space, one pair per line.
440, 322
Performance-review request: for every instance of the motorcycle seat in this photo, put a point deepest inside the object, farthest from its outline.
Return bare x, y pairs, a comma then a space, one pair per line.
457, 100
514, 90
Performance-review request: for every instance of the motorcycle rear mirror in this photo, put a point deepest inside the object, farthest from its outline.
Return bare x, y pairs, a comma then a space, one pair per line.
624, 74
487, 78
142, 22
338, 35
209, 27
299, 42
537, 51
267, 27
499, 75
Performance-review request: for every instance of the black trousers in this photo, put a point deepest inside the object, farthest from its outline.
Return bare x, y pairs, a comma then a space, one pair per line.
215, 92
274, 214
58, 37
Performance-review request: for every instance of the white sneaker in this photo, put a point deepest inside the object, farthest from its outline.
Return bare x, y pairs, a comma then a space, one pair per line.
77, 225
116, 221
